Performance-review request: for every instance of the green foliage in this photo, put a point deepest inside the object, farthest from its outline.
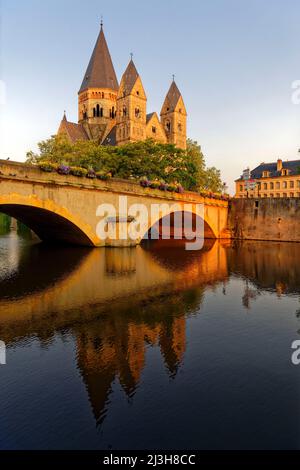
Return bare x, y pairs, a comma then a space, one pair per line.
162, 162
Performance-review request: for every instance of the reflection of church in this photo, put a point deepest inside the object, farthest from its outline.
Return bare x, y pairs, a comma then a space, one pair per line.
116, 348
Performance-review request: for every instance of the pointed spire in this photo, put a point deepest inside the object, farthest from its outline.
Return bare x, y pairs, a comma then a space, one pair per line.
65, 116
129, 78
172, 98
100, 72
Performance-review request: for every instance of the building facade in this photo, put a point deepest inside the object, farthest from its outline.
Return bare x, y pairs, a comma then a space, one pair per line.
114, 114
271, 180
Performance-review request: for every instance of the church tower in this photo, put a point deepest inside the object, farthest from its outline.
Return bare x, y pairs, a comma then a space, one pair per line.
131, 108
97, 96
173, 117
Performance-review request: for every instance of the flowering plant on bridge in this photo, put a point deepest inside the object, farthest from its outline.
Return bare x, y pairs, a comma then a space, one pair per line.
102, 175
144, 182
78, 171
63, 170
91, 174
48, 166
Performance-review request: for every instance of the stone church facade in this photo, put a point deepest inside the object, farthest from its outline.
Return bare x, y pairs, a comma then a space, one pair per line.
114, 114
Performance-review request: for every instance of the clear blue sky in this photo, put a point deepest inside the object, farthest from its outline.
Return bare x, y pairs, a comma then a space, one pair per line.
234, 61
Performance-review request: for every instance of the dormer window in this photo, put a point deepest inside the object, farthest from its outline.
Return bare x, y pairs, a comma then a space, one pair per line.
266, 174
284, 172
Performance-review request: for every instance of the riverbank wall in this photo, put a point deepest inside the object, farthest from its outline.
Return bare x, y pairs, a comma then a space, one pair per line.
267, 219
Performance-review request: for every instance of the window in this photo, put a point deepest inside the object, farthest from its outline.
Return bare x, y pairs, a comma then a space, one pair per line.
241, 187
265, 195
284, 172
102, 95
298, 184
271, 185
179, 127
291, 184
284, 195
265, 185
266, 174
278, 185
137, 113
168, 126
291, 194
284, 185
137, 92
153, 129
271, 195
277, 195
124, 111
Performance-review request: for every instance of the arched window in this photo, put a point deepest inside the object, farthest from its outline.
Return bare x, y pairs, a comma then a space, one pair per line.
168, 126
113, 114
94, 112
124, 111
101, 112
98, 110
179, 127
102, 95
137, 113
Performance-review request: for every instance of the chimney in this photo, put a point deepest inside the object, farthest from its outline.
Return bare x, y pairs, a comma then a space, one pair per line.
279, 164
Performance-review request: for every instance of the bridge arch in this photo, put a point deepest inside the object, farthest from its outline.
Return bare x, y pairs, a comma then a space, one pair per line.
50, 222
176, 213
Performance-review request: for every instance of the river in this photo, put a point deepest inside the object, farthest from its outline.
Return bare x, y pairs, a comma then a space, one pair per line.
154, 347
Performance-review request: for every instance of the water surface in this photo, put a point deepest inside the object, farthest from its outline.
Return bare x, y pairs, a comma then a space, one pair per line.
153, 347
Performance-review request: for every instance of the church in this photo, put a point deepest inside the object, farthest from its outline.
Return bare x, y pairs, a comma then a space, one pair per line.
116, 114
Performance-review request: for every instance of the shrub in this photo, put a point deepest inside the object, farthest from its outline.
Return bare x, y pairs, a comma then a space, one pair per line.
78, 171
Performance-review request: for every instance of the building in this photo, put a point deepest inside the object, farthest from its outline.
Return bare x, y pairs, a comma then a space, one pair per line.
278, 179
114, 114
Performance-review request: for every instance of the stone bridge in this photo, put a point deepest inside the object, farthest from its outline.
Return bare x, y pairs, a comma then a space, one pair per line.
63, 208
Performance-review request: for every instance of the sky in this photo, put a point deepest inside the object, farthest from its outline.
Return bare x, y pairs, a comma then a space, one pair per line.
234, 61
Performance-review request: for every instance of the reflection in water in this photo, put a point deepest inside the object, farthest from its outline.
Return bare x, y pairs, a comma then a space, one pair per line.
120, 306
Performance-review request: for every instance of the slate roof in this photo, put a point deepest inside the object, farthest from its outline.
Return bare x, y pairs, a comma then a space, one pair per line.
172, 98
74, 131
129, 78
149, 117
111, 138
293, 166
100, 72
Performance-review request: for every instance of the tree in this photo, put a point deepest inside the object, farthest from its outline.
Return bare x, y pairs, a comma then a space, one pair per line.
147, 158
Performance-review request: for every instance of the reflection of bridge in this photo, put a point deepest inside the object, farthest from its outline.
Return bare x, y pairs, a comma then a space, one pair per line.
95, 281
63, 208
114, 303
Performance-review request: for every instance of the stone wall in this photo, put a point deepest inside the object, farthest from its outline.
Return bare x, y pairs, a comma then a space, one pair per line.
265, 219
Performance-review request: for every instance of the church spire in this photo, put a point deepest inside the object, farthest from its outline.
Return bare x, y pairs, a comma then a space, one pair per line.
129, 78
100, 72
